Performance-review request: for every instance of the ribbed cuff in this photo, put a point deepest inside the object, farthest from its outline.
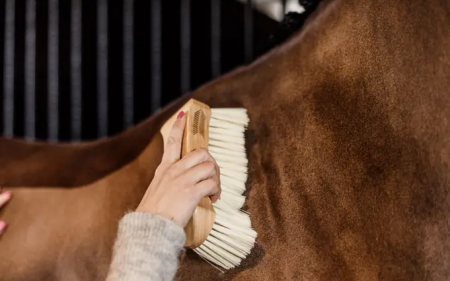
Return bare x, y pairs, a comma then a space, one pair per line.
152, 227
146, 248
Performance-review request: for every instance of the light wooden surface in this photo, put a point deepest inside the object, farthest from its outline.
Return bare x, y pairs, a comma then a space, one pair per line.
196, 135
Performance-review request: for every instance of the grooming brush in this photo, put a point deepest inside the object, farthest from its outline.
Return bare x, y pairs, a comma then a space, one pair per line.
221, 233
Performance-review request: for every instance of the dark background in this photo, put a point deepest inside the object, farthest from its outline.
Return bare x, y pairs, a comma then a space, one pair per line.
242, 37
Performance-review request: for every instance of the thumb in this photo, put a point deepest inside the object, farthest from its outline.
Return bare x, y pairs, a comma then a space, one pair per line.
172, 149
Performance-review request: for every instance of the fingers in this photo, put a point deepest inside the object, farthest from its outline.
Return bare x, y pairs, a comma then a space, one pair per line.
201, 172
172, 150
210, 188
192, 159
4, 197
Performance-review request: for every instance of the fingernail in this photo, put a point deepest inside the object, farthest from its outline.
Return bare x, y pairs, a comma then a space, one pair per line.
180, 115
2, 226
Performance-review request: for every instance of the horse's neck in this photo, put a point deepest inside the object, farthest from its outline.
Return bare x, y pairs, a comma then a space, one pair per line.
124, 188
48, 164
137, 174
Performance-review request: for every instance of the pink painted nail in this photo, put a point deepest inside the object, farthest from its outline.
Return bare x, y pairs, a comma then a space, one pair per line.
180, 115
2, 226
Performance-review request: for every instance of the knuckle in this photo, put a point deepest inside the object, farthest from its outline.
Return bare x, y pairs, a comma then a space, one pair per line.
210, 166
213, 187
217, 168
172, 140
217, 186
203, 153
217, 180
170, 172
212, 184
193, 194
186, 186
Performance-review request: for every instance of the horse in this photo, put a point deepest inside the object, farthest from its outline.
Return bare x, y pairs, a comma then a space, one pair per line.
348, 147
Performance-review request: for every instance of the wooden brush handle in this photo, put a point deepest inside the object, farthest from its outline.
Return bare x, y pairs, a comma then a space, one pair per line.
196, 135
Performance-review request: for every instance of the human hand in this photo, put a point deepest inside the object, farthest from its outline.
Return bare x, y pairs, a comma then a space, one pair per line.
179, 184
4, 197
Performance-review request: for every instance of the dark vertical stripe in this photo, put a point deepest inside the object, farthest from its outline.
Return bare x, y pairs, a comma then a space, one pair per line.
171, 46
128, 62
185, 34
30, 68
75, 61
2, 58
248, 33
215, 38
102, 67
115, 66
53, 76
201, 42
41, 72
19, 69
283, 8
142, 59
156, 54
89, 68
8, 71
64, 69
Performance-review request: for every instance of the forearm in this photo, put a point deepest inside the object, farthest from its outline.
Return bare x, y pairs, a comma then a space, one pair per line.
146, 248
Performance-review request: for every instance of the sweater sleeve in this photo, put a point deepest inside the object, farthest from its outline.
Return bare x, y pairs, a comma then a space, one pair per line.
146, 248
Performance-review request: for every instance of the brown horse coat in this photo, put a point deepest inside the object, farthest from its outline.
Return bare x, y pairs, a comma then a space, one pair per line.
349, 149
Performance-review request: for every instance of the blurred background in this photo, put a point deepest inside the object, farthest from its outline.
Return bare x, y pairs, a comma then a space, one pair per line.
73, 70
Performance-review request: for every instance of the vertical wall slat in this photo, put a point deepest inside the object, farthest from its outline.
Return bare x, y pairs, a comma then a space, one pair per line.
30, 68
185, 39
75, 60
102, 67
156, 54
128, 63
248, 31
8, 78
102, 61
283, 8
53, 82
215, 38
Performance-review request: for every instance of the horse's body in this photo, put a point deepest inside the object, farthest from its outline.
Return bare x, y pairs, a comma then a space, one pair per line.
349, 149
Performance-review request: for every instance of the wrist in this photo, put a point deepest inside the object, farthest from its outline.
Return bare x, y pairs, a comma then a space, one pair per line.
143, 208
150, 226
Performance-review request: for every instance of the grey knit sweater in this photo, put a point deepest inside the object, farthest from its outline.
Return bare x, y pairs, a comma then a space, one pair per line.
146, 248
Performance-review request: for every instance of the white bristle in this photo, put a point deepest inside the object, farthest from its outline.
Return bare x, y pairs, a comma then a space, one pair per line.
231, 159
239, 188
220, 144
215, 123
224, 242
211, 256
232, 198
242, 177
232, 182
227, 139
220, 131
227, 152
232, 237
230, 110
230, 115
227, 165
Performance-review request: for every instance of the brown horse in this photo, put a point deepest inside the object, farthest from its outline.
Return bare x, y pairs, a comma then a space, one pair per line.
349, 149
